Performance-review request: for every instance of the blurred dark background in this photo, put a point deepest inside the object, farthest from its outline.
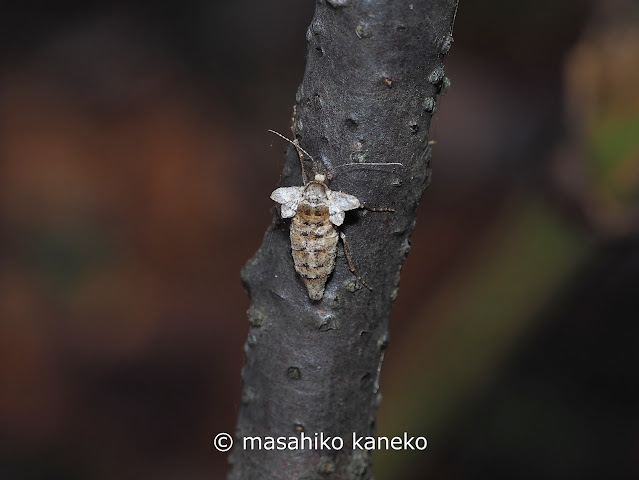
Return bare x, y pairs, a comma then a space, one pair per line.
135, 171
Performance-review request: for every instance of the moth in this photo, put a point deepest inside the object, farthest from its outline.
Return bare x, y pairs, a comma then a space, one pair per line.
317, 212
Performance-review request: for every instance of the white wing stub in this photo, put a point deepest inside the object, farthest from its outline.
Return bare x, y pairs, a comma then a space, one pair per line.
338, 203
289, 198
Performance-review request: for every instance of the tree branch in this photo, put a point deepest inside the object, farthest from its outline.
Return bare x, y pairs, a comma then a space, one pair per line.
374, 70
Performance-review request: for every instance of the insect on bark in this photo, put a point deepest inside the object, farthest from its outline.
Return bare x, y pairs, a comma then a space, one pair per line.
316, 212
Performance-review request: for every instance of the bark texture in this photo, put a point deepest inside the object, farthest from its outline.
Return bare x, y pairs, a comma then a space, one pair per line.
374, 70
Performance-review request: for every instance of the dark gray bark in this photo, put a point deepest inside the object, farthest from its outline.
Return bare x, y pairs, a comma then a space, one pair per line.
374, 70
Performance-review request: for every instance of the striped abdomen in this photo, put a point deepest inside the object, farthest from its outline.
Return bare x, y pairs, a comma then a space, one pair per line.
314, 246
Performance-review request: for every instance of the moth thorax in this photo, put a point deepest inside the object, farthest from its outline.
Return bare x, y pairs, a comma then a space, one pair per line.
315, 194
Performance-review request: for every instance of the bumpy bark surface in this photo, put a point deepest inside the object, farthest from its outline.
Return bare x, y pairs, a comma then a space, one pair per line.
374, 70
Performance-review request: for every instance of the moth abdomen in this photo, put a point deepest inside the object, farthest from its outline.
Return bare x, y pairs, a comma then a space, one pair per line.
314, 246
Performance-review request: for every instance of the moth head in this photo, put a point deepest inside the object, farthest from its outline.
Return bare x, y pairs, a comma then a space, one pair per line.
320, 178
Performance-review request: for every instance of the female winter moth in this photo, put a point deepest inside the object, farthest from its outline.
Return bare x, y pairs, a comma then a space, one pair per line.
316, 212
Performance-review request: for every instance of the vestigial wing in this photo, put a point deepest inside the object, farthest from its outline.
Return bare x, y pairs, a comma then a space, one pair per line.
338, 203
287, 194
342, 201
289, 197
337, 218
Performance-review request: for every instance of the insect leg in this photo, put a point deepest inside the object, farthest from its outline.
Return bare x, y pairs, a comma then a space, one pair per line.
351, 265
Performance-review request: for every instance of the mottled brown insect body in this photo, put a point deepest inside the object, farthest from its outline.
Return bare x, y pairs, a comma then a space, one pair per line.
314, 243
317, 212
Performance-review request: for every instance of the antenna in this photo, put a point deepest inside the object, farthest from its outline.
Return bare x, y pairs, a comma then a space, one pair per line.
296, 144
367, 163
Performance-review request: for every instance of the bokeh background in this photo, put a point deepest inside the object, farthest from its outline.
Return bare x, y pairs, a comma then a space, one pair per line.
135, 171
